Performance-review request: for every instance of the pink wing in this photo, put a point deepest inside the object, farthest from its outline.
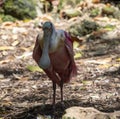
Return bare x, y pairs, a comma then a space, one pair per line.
37, 50
69, 47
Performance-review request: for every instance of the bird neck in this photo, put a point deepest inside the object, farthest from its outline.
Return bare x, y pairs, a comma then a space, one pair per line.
48, 39
44, 62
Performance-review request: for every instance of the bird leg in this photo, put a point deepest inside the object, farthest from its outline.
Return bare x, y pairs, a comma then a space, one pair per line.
61, 90
54, 95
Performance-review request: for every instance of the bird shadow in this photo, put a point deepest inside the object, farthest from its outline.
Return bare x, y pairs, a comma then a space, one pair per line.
46, 110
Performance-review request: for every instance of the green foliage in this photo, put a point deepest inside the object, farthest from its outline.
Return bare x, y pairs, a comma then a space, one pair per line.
89, 26
108, 10
21, 9
8, 18
86, 27
1, 11
94, 12
109, 27
72, 3
71, 13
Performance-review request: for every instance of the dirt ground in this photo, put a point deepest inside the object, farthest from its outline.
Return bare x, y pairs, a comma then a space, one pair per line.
25, 94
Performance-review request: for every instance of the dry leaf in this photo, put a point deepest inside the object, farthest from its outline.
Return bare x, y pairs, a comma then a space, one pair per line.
2, 76
19, 30
4, 53
95, 1
7, 24
4, 37
8, 59
77, 55
6, 48
103, 61
25, 78
4, 61
19, 77
15, 36
75, 44
16, 76
28, 48
26, 54
104, 66
83, 47
118, 59
15, 43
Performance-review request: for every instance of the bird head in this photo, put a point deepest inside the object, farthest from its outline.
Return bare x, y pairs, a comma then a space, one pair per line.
47, 28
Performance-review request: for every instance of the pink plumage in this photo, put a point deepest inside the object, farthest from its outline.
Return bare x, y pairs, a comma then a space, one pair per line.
54, 54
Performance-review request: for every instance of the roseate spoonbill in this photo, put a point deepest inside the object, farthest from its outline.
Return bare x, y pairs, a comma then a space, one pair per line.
53, 52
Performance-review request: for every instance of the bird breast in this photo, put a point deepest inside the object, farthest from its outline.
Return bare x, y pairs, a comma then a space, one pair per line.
55, 42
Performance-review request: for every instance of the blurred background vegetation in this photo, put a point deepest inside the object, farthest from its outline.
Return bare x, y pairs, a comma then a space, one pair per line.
11, 10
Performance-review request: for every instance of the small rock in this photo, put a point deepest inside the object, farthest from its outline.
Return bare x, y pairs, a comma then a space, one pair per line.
4, 37
19, 30
1, 76
88, 113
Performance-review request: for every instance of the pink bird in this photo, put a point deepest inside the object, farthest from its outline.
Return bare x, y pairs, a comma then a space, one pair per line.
53, 52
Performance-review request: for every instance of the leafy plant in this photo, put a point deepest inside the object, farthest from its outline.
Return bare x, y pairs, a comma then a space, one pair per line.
8, 18
94, 12
20, 9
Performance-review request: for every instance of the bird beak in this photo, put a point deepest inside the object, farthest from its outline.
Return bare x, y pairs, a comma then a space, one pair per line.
44, 62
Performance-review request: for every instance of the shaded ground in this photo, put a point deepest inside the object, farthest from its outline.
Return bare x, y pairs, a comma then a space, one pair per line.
25, 94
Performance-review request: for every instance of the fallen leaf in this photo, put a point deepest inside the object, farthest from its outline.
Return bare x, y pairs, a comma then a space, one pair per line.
17, 30
8, 59
16, 76
25, 78
2, 76
75, 44
102, 66
19, 77
27, 49
33, 68
103, 61
15, 36
83, 47
77, 55
4, 37
15, 43
4, 61
6, 48
118, 59
7, 24
4, 53
95, 1
26, 54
